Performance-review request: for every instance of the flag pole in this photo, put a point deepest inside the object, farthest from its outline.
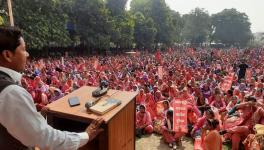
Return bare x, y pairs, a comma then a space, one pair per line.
10, 13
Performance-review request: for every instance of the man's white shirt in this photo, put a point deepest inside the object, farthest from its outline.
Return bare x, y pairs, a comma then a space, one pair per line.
19, 116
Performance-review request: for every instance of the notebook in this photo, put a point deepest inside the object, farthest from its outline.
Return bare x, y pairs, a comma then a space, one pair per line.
105, 106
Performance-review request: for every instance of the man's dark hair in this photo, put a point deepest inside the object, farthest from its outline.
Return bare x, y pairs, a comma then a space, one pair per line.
9, 38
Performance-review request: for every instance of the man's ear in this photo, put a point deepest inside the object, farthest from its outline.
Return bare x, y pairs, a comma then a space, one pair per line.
7, 55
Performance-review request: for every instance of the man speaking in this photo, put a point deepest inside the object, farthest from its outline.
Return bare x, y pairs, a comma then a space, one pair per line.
21, 126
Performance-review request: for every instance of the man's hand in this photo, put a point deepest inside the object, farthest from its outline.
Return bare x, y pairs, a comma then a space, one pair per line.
44, 111
94, 128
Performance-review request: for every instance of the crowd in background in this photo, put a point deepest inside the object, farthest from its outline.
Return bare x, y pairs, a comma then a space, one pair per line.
223, 88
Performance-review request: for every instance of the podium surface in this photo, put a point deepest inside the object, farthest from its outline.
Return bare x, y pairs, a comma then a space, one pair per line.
119, 126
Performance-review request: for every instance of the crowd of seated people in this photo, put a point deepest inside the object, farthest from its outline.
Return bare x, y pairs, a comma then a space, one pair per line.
223, 89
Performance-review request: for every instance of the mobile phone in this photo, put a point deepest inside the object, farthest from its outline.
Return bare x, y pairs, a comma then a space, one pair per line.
74, 101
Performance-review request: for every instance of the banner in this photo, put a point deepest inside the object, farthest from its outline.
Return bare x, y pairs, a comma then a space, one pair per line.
160, 108
227, 83
160, 72
180, 115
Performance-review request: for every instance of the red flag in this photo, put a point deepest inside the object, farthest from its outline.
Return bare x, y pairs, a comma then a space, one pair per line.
158, 56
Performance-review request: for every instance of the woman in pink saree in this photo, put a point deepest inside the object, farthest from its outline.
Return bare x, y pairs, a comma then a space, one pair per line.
212, 139
151, 105
171, 137
143, 122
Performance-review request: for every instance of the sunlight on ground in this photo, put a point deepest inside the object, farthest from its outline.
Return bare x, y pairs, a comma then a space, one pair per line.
155, 142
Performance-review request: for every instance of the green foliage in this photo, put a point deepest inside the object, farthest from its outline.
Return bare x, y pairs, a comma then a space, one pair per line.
145, 31
178, 24
1, 21
92, 23
166, 22
3, 13
196, 26
126, 28
160, 13
231, 27
101, 23
140, 6
116, 7
43, 22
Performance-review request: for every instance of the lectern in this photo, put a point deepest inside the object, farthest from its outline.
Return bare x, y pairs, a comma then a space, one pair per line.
119, 123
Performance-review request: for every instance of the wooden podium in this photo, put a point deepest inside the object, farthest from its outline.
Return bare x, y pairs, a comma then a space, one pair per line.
119, 126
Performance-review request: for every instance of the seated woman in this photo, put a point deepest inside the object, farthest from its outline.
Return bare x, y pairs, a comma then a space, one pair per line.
234, 101
202, 103
206, 90
209, 114
238, 127
55, 94
212, 140
140, 98
218, 103
143, 122
161, 110
171, 137
40, 100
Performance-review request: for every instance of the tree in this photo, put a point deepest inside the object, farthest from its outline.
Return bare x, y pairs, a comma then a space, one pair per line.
257, 41
1, 20
178, 24
3, 13
196, 26
160, 13
43, 22
145, 31
123, 24
231, 27
123, 31
116, 7
93, 23
140, 6
127, 31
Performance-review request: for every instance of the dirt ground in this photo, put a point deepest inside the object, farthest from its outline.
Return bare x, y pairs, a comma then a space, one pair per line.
155, 142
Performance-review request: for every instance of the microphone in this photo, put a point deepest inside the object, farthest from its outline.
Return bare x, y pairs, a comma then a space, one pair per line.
99, 92
102, 90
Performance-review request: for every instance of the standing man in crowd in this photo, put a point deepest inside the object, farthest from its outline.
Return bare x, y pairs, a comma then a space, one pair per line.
21, 126
242, 70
